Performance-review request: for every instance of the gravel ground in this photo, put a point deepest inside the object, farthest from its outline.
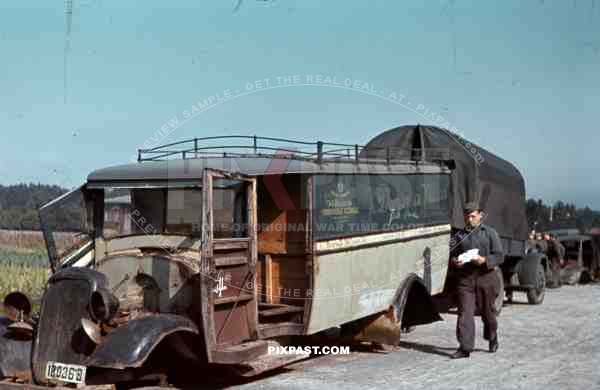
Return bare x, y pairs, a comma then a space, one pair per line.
550, 346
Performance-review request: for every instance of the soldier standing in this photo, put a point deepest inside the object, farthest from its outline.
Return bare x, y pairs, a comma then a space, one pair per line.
540, 244
555, 254
531, 242
476, 280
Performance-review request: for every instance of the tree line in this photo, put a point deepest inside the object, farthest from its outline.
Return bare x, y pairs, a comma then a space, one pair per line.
19, 204
560, 215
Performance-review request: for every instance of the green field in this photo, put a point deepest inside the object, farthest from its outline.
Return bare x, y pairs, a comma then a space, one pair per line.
25, 271
31, 258
21, 277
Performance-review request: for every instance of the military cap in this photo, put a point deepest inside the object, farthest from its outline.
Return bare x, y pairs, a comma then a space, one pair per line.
470, 207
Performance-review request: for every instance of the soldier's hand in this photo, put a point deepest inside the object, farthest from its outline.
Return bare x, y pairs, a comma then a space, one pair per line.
456, 263
480, 260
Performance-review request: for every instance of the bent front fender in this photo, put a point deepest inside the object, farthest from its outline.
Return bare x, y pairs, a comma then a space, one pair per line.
131, 344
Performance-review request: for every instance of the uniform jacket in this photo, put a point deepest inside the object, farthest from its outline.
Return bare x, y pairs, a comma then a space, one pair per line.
486, 239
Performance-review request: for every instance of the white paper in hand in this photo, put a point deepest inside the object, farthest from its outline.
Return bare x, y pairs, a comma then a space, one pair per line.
468, 256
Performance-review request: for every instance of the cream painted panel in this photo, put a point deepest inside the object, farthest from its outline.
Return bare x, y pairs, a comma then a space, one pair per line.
363, 281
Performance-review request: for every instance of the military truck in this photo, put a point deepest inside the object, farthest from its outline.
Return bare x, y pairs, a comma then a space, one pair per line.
582, 257
478, 175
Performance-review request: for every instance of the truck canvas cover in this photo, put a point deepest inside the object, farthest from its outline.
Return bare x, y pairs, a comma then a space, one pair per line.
479, 175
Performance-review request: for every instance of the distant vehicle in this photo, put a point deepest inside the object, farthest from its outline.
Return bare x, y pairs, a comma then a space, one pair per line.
226, 252
581, 258
564, 232
495, 183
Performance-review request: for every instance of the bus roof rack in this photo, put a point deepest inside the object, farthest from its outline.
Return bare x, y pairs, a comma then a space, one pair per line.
254, 146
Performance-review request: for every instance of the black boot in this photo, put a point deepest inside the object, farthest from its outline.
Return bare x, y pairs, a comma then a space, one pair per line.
494, 345
459, 354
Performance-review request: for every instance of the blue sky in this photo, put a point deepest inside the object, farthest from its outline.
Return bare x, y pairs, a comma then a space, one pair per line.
520, 78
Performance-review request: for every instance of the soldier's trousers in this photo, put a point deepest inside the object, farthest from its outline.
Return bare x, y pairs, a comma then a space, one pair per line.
555, 273
476, 291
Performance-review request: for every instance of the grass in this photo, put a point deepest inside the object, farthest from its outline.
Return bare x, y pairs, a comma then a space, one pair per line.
23, 264
33, 241
24, 261
30, 258
24, 278
22, 240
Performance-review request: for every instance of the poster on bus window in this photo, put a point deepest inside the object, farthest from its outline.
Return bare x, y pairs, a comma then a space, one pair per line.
347, 205
338, 208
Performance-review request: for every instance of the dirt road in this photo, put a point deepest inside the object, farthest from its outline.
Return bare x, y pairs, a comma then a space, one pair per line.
551, 346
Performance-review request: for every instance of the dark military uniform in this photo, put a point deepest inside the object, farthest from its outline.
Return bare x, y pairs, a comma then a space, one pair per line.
477, 284
542, 246
532, 245
555, 252
561, 248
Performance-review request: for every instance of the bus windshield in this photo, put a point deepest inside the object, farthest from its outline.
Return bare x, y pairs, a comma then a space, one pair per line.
66, 223
172, 211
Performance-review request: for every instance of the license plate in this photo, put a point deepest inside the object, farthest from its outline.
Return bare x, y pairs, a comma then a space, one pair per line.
72, 373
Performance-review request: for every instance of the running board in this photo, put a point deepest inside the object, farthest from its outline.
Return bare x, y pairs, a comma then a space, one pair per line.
269, 361
266, 331
236, 354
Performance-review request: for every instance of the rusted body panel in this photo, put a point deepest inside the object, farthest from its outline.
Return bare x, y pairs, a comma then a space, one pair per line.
175, 276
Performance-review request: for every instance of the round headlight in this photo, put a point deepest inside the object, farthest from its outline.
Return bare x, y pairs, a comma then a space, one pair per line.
17, 306
103, 305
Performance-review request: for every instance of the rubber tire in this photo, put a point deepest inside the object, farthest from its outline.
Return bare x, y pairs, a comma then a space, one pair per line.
535, 296
500, 297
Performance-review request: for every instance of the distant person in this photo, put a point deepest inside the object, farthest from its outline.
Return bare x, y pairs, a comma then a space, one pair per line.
555, 255
540, 244
531, 242
558, 246
561, 249
476, 280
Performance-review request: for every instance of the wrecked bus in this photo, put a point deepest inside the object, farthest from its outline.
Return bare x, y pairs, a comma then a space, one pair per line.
211, 252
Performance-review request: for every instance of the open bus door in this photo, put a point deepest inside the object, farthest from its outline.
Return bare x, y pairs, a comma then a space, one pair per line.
230, 304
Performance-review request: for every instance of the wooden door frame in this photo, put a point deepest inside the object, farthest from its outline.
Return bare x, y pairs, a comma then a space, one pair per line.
208, 262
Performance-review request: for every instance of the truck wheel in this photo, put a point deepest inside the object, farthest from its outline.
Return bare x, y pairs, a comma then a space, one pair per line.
500, 297
535, 295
